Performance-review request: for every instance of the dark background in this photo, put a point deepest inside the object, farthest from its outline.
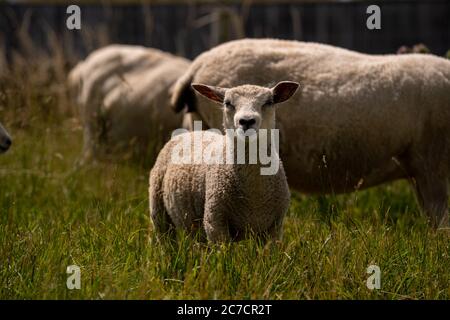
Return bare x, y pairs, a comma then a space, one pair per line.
189, 29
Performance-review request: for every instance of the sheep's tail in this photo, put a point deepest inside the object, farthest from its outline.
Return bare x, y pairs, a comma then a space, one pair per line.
182, 95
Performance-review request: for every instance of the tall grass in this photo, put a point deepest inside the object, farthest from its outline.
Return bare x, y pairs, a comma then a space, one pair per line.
54, 214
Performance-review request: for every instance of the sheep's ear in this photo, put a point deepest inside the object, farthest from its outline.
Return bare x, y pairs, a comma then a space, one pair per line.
284, 90
216, 94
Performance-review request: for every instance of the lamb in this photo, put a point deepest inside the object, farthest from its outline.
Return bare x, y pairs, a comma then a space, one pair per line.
223, 201
5, 140
123, 95
359, 121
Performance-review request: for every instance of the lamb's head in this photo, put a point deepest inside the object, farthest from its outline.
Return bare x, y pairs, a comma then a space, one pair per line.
5, 139
248, 106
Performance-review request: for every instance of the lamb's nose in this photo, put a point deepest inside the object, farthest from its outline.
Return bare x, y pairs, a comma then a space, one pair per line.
247, 123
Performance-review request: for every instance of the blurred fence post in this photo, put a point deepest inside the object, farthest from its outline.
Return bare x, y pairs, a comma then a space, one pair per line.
226, 25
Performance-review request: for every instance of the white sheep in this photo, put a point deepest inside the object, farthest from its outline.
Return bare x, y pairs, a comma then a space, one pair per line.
123, 95
5, 140
223, 201
360, 120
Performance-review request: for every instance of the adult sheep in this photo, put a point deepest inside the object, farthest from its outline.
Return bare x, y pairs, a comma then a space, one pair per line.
359, 120
123, 95
5, 140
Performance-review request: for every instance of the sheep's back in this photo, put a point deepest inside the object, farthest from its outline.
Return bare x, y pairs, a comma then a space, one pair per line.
352, 113
123, 92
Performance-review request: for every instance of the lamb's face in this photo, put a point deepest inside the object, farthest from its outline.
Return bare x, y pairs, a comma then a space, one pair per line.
248, 106
5, 140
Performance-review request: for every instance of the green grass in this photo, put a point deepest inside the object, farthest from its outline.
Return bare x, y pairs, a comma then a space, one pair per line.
53, 214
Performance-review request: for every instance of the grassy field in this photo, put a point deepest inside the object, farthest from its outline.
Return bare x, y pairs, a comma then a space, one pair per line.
54, 214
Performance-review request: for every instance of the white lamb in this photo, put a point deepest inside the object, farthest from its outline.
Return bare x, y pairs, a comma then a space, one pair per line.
360, 120
123, 95
221, 200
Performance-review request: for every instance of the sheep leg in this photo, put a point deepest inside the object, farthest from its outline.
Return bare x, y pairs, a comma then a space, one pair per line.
161, 220
92, 134
88, 147
216, 225
432, 195
273, 233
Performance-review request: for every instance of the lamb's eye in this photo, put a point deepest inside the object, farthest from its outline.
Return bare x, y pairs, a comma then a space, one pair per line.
228, 105
268, 103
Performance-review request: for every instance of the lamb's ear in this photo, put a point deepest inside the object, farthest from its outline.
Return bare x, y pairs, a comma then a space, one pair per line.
216, 94
284, 90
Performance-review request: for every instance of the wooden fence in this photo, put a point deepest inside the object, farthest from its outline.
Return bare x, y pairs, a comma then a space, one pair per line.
190, 29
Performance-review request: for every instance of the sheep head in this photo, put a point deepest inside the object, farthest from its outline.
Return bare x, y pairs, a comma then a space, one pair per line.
248, 106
